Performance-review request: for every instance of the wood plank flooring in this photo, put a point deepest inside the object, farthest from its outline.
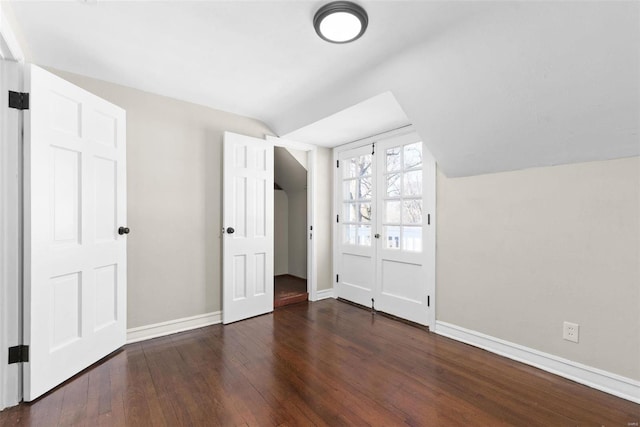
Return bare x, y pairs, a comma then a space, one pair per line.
327, 364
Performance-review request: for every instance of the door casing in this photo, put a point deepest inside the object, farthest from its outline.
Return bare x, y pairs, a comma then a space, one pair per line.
11, 71
10, 236
312, 277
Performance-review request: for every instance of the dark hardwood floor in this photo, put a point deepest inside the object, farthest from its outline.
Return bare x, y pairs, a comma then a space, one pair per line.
324, 363
289, 289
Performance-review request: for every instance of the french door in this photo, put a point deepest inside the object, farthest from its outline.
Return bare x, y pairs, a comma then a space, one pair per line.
355, 189
386, 241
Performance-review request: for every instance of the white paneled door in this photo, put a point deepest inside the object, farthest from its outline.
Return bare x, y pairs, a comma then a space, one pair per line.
386, 239
75, 257
247, 219
405, 196
356, 249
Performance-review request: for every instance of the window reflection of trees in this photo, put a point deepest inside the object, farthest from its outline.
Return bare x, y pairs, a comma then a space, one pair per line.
412, 155
403, 205
402, 215
358, 187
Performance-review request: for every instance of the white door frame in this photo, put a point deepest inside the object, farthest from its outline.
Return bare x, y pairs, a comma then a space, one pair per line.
11, 74
429, 201
312, 285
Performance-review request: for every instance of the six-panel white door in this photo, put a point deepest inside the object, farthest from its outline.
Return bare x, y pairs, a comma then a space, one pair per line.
75, 260
356, 219
247, 258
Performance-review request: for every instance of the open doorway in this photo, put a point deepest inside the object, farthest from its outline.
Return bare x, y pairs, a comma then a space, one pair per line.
290, 226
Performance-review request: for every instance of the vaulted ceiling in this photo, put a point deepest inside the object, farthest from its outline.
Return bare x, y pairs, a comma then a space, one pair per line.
490, 86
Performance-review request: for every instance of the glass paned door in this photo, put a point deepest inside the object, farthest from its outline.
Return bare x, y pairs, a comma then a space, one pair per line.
401, 273
357, 179
402, 198
355, 187
384, 239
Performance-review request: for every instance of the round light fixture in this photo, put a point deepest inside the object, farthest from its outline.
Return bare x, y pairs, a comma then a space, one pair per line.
340, 22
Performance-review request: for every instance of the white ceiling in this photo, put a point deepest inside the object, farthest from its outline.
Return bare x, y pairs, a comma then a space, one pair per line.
370, 117
490, 86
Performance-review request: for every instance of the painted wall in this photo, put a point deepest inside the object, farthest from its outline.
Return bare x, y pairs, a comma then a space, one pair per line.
174, 167
520, 252
298, 233
322, 228
281, 231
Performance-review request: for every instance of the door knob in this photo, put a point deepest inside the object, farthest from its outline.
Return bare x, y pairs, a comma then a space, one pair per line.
230, 230
123, 230
377, 236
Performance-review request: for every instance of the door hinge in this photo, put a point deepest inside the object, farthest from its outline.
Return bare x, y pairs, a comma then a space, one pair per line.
18, 354
337, 218
337, 278
428, 300
337, 163
428, 219
18, 100
373, 148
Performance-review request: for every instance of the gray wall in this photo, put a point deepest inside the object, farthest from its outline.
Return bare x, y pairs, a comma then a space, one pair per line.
298, 233
520, 252
281, 233
174, 171
322, 228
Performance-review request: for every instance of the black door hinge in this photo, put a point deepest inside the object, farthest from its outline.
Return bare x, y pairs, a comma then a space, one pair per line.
428, 301
18, 354
337, 218
337, 278
373, 148
18, 100
337, 163
428, 219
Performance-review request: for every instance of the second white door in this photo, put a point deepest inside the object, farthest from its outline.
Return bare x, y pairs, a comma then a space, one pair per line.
247, 247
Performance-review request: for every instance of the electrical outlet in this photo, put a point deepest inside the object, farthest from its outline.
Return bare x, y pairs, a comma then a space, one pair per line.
571, 331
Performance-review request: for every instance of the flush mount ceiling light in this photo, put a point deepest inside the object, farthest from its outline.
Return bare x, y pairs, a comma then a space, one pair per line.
340, 22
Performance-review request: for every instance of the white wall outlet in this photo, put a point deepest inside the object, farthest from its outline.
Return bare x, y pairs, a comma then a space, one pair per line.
571, 331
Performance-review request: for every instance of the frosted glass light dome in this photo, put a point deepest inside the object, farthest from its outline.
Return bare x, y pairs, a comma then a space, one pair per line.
340, 22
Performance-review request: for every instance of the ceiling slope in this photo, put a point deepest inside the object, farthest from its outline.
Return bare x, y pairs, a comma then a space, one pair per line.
534, 84
289, 173
490, 86
370, 117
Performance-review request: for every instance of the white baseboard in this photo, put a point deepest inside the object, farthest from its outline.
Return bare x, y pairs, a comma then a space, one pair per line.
146, 332
324, 294
608, 382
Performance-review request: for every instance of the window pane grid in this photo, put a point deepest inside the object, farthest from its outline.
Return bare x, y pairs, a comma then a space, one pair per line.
357, 187
402, 201
402, 198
